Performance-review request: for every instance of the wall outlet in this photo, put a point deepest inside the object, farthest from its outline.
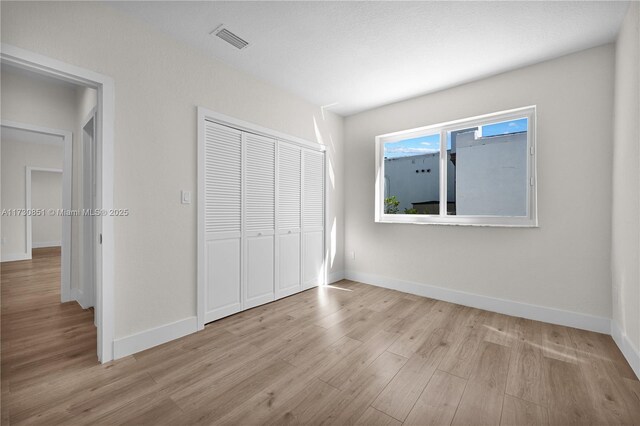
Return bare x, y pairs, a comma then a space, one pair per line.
352, 255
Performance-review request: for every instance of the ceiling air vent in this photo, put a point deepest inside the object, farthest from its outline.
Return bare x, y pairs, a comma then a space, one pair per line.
229, 37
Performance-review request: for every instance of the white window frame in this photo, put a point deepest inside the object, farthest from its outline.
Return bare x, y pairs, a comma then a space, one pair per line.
530, 220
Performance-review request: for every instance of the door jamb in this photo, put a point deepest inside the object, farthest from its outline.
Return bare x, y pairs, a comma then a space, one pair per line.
92, 115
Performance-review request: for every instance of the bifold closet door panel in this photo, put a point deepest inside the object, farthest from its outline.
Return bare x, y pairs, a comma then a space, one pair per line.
289, 264
223, 221
312, 218
313, 259
260, 183
259, 219
289, 187
223, 278
289, 219
259, 256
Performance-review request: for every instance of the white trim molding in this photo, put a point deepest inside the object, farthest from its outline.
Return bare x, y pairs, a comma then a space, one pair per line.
45, 244
105, 166
630, 352
245, 126
153, 337
14, 257
78, 296
502, 306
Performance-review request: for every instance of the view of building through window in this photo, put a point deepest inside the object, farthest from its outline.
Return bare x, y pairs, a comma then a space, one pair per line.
486, 172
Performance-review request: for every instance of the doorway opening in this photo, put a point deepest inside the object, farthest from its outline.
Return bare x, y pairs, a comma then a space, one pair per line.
42, 323
90, 270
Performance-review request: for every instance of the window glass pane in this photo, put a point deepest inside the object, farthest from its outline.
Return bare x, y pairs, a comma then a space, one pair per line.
412, 176
489, 173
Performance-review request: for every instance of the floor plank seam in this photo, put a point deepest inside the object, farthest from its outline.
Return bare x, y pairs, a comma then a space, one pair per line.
455, 375
466, 382
328, 384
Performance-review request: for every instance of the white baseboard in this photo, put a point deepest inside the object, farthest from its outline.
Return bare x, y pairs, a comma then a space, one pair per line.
503, 306
334, 277
156, 336
12, 257
631, 353
76, 294
153, 337
46, 244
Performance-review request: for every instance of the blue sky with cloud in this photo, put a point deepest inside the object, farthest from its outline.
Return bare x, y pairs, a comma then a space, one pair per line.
416, 146
505, 128
431, 144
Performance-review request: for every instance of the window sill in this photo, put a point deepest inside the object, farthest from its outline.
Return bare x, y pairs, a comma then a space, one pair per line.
489, 221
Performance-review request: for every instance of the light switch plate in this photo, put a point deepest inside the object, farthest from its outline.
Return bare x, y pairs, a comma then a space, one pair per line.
186, 197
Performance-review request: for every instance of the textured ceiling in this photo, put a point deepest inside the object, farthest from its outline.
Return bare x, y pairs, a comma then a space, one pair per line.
359, 55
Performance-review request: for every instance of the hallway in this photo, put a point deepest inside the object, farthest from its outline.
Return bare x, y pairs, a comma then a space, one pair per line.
42, 339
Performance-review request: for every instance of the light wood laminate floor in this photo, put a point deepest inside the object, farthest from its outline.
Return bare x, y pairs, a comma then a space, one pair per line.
345, 354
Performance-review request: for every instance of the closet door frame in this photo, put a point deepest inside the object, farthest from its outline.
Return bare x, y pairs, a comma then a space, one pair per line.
203, 115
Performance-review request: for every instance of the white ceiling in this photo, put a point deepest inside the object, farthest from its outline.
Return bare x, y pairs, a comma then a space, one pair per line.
360, 55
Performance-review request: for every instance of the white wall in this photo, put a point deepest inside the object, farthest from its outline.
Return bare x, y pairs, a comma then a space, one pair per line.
46, 193
17, 155
563, 264
158, 84
625, 253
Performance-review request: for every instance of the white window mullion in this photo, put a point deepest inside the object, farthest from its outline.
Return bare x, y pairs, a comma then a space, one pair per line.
443, 173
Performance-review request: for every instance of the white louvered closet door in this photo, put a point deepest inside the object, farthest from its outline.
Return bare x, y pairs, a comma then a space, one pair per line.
261, 217
289, 221
312, 218
260, 207
223, 220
